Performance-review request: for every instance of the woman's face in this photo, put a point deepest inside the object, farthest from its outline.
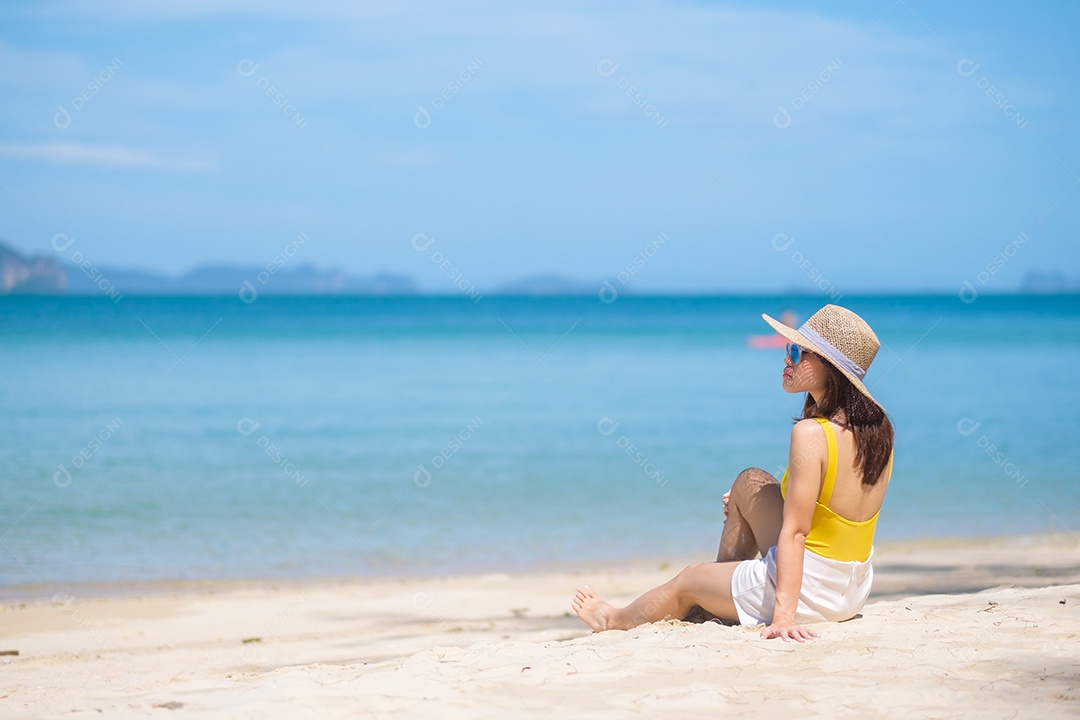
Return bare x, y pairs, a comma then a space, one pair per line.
807, 376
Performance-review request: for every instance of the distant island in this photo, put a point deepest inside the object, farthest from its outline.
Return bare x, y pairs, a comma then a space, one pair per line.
45, 275
1049, 283
26, 275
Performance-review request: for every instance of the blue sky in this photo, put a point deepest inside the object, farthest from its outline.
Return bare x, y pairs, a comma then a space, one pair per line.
708, 146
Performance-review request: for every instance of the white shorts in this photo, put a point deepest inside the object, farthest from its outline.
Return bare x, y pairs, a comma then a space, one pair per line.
831, 590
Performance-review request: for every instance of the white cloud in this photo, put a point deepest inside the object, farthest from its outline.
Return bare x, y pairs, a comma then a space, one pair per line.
115, 156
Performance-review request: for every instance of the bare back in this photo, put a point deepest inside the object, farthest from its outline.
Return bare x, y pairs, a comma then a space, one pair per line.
851, 498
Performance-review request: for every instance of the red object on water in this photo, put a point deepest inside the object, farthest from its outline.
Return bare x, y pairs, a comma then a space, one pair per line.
766, 342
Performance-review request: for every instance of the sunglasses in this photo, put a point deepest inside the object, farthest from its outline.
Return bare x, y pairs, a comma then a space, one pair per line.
796, 353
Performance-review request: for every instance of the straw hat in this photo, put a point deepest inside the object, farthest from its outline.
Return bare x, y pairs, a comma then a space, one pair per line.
838, 336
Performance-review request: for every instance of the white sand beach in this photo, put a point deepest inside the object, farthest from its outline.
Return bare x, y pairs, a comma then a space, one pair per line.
987, 628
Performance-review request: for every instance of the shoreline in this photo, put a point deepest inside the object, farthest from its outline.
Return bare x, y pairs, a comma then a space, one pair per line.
967, 624
961, 560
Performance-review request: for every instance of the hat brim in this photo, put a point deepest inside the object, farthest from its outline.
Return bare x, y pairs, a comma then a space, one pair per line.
801, 340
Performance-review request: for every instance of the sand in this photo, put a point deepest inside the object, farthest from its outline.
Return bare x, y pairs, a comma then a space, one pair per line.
987, 628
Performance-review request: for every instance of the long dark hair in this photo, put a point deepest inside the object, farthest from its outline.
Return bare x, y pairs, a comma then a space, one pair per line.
866, 420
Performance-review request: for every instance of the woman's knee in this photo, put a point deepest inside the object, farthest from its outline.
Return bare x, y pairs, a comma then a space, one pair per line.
686, 572
750, 480
685, 578
704, 584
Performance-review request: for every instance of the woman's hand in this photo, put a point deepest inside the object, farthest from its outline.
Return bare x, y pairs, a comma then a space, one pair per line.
727, 499
788, 631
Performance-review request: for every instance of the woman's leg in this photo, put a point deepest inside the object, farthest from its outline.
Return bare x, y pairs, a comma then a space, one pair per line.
704, 584
755, 515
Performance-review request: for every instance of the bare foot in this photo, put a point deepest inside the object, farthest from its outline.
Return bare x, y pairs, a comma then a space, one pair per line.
591, 608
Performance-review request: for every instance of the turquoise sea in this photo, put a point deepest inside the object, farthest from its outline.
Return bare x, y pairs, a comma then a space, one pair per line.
153, 438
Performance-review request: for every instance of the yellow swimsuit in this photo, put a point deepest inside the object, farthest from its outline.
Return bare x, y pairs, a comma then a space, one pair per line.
831, 535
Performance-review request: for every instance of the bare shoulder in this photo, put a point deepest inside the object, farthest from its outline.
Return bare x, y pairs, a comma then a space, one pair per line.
807, 459
807, 431
808, 440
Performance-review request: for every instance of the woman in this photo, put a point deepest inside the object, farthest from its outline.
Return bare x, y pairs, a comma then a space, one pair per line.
815, 528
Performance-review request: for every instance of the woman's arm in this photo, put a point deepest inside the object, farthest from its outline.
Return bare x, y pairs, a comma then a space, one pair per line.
807, 461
